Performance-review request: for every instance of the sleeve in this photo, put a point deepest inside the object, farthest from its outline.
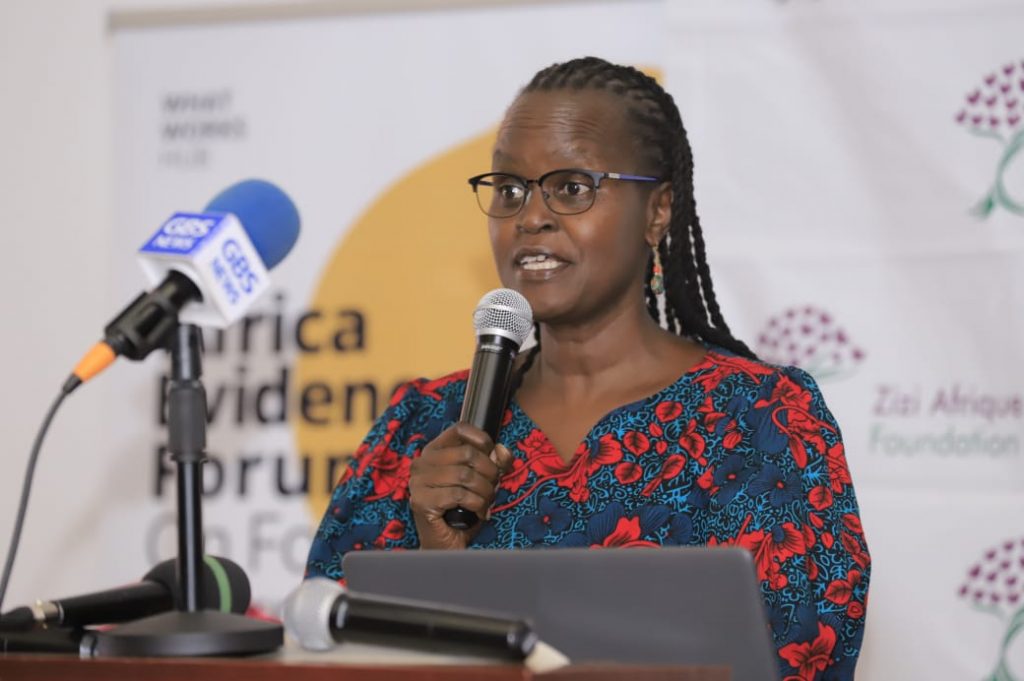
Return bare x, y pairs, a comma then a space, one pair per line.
369, 507
808, 543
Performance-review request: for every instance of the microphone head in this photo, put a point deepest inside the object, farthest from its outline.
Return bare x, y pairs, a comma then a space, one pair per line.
267, 214
504, 312
225, 585
307, 613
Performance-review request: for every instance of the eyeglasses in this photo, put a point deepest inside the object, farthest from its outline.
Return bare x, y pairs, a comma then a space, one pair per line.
566, 192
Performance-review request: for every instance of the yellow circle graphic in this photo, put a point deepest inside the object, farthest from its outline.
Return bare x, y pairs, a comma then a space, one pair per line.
396, 300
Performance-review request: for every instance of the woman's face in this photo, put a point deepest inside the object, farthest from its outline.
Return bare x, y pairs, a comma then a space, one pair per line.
574, 267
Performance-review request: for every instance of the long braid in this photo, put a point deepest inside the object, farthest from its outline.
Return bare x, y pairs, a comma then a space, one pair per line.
661, 143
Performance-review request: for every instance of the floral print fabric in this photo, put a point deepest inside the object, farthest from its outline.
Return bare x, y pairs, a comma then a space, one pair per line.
735, 452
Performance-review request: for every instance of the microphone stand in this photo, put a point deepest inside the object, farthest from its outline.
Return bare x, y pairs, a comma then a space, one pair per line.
189, 630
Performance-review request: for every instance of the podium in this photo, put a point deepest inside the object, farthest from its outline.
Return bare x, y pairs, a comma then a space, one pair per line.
67, 668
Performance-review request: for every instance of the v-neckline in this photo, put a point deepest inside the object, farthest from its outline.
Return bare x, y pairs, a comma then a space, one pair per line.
710, 359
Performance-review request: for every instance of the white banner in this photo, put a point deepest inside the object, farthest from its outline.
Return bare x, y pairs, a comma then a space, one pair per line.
860, 185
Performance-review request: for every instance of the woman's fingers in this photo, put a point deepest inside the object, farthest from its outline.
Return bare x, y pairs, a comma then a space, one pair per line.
502, 458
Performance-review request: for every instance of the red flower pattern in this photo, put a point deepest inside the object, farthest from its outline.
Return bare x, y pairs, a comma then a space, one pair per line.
820, 497
671, 468
628, 472
636, 442
788, 547
390, 476
810, 657
545, 462
693, 442
801, 427
668, 411
625, 535
838, 472
514, 479
393, 531
723, 367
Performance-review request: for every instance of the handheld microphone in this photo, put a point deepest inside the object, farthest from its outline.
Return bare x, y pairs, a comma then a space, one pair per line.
208, 268
321, 613
503, 320
225, 588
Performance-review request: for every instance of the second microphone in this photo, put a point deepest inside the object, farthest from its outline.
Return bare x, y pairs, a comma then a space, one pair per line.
503, 320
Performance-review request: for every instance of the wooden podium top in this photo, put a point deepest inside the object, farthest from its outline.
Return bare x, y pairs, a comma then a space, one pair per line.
68, 668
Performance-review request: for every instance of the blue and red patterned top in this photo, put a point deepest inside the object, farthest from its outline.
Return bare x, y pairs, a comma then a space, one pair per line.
735, 452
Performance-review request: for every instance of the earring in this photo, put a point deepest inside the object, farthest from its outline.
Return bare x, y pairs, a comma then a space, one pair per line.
657, 280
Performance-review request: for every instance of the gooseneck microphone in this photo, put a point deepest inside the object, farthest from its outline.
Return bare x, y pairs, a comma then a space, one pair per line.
321, 613
207, 268
225, 588
503, 320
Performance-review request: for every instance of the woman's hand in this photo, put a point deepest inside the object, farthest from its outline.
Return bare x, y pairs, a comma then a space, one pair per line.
461, 467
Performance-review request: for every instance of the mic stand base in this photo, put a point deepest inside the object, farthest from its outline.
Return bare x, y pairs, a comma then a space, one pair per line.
187, 634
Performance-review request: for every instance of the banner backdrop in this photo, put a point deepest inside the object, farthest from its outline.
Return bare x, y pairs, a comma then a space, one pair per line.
862, 193
372, 124
860, 182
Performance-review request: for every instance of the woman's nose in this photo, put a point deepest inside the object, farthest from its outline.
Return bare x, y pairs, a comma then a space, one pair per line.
535, 216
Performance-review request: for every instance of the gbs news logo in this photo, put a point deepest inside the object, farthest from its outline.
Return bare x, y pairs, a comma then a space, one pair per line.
242, 276
214, 250
182, 233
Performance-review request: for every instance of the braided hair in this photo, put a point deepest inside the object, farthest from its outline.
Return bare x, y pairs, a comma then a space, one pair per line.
660, 141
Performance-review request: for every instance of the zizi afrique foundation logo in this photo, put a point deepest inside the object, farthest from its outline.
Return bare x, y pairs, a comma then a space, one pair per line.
994, 110
809, 337
995, 586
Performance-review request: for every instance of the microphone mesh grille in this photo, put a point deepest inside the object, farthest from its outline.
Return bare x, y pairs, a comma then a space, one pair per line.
307, 613
505, 311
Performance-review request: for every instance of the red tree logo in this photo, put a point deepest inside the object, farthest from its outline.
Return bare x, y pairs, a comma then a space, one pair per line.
994, 110
808, 337
995, 586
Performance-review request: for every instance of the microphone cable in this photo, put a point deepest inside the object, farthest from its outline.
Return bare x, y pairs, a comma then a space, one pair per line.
26, 488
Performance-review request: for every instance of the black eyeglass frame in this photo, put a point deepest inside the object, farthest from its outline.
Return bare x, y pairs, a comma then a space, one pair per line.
595, 175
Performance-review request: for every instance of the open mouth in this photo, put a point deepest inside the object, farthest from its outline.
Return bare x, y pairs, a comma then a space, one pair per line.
539, 262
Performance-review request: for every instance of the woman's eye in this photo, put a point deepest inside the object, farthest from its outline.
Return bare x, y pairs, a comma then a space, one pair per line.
573, 189
508, 191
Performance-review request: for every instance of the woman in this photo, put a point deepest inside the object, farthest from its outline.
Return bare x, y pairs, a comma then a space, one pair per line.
627, 427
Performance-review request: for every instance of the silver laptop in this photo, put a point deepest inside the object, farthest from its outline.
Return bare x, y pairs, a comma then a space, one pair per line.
678, 605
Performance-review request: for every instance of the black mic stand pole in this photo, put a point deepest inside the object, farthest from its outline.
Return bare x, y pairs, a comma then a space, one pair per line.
189, 630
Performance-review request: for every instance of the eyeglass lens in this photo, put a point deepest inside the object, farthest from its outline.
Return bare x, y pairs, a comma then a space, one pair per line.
565, 192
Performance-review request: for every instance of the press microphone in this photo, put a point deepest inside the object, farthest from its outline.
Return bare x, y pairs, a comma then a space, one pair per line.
225, 588
503, 320
207, 268
321, 613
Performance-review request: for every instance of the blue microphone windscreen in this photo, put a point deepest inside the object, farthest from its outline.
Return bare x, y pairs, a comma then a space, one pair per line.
269, 217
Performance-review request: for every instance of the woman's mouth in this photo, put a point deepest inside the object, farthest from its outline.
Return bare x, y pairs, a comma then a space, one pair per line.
539, 263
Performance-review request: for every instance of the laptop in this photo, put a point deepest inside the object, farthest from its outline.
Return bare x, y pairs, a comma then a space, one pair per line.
673, 605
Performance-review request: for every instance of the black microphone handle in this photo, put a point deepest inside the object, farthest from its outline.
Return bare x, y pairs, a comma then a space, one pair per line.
122, 604
486, 399
225, 588
407, 623
149, 321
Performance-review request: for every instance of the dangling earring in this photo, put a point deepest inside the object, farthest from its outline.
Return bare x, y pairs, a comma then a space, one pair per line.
657, 280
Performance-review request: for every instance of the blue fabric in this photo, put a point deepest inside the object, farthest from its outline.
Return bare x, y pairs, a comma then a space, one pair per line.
735, 452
